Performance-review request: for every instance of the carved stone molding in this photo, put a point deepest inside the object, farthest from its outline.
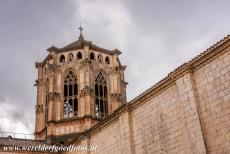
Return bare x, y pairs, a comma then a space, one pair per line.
85, 63
87, 91
52, 67
50, 96
56, 96
115, 97
39, 82
39, 109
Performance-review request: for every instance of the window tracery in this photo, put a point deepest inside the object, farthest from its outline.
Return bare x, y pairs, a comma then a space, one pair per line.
101, 98
70, 95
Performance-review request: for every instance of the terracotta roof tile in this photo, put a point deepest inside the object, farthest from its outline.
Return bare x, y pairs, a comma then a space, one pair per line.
20, 142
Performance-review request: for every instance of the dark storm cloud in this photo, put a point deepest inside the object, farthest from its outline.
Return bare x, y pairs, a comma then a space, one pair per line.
155, 36
27, 28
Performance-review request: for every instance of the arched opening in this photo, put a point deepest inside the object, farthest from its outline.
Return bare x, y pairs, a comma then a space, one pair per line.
107, 60
79, 55
70, 95
62, 58
100, 58
70, 57
101, 98
92, 56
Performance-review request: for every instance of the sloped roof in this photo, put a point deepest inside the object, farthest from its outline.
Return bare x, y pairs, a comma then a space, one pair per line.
79, 44
20, 142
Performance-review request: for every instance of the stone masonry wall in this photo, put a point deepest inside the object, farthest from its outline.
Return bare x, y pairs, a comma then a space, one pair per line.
213, 89
156, 125
186, 113
107, 140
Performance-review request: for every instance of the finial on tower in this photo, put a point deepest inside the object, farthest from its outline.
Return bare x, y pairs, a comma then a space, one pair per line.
81, 29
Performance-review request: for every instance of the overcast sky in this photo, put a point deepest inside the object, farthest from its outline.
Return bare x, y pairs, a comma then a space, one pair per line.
155, 37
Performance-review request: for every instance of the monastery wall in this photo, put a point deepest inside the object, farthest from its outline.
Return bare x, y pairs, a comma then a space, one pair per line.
213, 89
188, 112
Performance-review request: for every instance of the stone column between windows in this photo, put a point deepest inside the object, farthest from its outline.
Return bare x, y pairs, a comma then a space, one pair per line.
86, 52
50, 101
88, 92
82, 100
58, 100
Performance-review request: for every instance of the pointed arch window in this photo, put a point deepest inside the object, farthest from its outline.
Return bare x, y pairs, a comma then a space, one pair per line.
79, 55
100, 58
62, 58
70, 95
92, 56
107, 60
101, 98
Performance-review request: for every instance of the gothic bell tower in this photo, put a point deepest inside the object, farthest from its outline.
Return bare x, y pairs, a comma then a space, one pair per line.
78, 86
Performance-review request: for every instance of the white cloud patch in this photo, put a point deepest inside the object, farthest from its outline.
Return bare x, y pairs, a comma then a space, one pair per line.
12, 120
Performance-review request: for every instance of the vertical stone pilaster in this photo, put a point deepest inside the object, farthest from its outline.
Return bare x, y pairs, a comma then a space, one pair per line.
126, 133
86, 52
188, 101
57, 99
58, 110
50, 110
87, 106
39, 110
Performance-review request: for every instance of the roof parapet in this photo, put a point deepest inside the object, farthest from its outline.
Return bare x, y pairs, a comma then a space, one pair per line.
38, 64
52, 48
116, 51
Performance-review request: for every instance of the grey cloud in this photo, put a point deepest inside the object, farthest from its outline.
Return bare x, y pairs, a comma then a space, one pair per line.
28, 28
157, 37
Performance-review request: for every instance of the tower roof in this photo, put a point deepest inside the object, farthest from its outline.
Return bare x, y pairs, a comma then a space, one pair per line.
79, 44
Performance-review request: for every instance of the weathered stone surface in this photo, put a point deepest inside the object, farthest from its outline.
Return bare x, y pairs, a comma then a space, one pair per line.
188, 112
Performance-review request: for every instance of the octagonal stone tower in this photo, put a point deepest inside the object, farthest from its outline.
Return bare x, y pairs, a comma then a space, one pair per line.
77, 86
